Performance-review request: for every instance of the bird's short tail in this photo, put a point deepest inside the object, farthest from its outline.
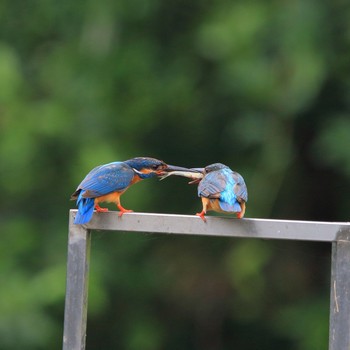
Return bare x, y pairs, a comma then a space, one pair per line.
85, 209
235, 207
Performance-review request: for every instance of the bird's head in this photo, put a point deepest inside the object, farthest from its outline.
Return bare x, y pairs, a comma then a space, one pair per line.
214, 167
146, 167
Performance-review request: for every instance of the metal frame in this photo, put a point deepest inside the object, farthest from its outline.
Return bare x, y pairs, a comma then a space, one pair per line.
79, 240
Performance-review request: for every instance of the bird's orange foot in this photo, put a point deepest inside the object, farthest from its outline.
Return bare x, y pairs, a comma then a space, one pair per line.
123, 211
240, 215
99, 209
201, 215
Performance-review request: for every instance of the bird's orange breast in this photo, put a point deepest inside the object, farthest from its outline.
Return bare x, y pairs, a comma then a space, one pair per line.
114, 196
109, 198
135, 179
213, 204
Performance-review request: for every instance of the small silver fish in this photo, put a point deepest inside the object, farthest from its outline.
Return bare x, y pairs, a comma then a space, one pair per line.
195, 174
189, 174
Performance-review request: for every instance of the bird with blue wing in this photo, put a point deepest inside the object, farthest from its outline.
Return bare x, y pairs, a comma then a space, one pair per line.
220, 188
106, 183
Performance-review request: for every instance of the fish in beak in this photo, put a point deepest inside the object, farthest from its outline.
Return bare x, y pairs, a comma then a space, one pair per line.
195, 174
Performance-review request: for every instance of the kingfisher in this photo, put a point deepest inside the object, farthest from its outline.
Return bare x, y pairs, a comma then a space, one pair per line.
106, 183
220, 188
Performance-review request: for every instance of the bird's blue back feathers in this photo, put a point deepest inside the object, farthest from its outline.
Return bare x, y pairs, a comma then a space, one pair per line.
228, 198
107, 178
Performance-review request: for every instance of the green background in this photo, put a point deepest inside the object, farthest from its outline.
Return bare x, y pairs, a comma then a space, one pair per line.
262, 86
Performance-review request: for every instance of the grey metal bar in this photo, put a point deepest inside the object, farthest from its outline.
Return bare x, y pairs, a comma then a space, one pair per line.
339, 328
79, 251
219, 226
75, 313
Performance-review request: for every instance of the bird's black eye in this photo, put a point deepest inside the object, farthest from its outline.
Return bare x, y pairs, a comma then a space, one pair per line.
155, 167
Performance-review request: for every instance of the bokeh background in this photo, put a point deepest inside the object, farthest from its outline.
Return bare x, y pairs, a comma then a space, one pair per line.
262, 86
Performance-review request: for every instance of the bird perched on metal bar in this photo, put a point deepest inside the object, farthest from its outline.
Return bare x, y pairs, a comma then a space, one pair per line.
106, 183
220, 188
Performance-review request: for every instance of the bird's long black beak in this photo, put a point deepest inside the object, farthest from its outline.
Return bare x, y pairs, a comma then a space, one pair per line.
171, 168
198, 170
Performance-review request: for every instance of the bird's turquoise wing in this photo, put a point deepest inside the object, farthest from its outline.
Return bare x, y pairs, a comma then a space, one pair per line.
240, 188
105, 179
212, 185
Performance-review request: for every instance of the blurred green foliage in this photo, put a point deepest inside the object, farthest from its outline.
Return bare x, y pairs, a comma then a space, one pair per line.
261, 86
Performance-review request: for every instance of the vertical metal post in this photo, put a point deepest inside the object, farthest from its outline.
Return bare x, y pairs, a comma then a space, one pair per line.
339, 328
75, 313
